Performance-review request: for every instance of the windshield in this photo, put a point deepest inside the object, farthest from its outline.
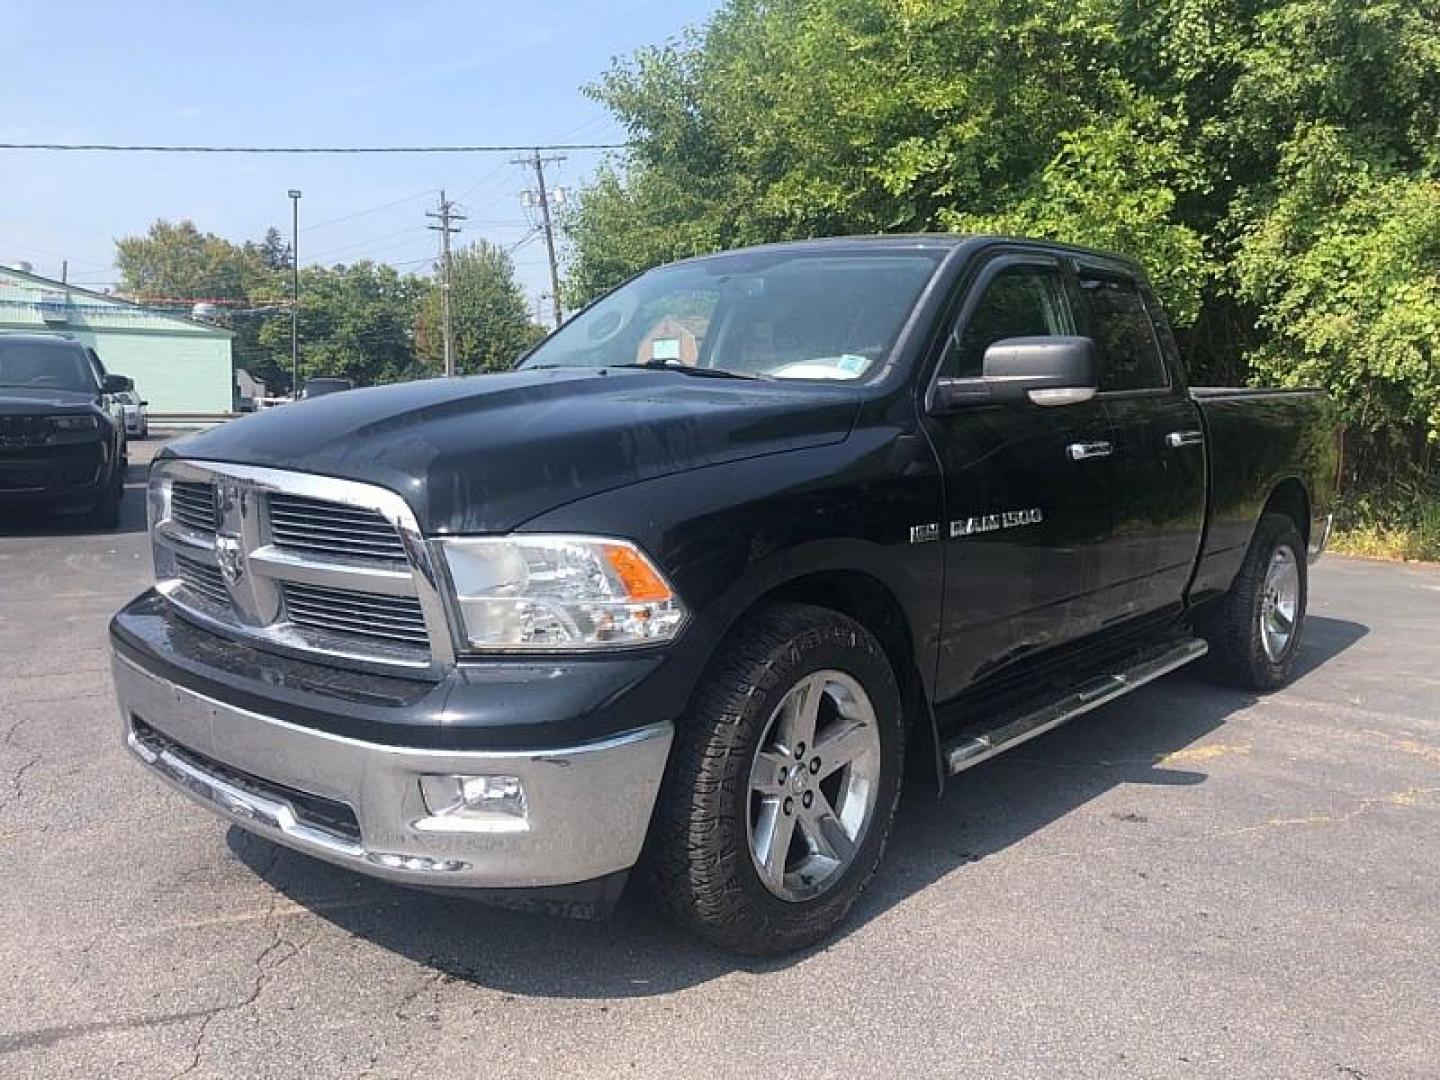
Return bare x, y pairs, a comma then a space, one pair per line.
45, 366
764, 314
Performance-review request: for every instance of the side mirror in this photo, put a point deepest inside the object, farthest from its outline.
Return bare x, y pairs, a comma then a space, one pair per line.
118, 384
1038, 370
144, 402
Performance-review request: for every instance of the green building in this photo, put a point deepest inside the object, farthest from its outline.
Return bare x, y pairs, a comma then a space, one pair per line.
179, 365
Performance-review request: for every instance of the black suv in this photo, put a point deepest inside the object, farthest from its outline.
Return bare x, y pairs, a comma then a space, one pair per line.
62, 440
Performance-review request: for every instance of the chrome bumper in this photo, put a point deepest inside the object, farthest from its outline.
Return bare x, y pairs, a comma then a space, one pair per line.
587, 808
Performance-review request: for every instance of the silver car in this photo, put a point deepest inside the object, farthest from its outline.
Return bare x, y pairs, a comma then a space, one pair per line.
137, 420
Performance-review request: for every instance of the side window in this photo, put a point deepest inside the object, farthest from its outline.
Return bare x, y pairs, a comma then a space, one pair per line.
1020, 301
1121, 326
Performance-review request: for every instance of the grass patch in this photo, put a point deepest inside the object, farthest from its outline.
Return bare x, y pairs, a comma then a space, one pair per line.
1400, 544
1400, 525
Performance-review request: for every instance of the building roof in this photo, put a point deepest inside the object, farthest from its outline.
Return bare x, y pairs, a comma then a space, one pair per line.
96, 315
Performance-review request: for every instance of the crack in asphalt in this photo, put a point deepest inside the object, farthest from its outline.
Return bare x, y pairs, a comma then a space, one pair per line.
17, 789
263, 973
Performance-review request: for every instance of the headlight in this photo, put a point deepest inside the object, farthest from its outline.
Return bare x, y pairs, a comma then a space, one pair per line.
558, 592
80, 422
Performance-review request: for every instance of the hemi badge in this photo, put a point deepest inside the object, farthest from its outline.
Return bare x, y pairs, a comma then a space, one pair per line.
924, 534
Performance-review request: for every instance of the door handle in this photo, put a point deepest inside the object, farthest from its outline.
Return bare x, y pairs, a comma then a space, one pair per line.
1080, 451
1177, 439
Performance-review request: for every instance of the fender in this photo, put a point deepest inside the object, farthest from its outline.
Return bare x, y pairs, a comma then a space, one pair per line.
730, 536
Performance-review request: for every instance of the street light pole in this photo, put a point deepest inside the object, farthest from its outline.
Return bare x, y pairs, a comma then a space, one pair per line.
294, 294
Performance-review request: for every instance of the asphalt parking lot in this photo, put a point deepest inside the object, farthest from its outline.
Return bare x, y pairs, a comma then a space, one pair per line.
1190, 882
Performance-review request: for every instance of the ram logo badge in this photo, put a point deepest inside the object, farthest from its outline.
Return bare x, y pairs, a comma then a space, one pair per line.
1009, 519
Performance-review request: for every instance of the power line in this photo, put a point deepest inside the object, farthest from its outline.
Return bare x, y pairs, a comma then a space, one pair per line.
470, 149
370, 210
411, 232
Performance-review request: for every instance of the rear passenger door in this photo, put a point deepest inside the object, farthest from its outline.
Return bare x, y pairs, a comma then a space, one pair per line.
1159, 456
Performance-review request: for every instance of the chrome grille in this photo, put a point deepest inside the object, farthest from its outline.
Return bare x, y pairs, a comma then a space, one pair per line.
202, 578
304, 564
192, 505
332, 529
344, 611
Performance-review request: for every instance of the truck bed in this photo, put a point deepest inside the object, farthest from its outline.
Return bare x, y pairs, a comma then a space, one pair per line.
1211, 393
1258, 439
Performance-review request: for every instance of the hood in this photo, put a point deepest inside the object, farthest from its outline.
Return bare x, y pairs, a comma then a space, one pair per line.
486, 453
32, 401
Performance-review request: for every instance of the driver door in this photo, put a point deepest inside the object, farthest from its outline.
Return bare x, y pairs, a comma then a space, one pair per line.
1028, 490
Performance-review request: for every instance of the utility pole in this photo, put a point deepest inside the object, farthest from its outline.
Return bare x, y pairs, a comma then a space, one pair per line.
538, 163
294, 294
446, 216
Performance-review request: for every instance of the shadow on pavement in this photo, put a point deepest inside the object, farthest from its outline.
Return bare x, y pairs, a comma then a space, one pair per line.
984, 811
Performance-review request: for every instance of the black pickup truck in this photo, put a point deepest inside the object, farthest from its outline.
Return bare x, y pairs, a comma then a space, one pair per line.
691, 588
62, 428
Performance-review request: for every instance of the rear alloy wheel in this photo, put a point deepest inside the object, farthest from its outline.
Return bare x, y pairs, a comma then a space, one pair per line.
1280, 604
1254, 629
782, 783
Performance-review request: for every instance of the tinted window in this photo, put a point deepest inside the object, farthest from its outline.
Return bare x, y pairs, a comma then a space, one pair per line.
1021, 301
44, 365
1120, 324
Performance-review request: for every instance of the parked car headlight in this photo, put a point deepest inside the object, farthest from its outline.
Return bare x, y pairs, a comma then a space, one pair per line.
78, 422
520, 593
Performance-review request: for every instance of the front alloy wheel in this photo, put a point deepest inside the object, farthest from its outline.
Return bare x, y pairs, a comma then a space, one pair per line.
813, 785
782, 783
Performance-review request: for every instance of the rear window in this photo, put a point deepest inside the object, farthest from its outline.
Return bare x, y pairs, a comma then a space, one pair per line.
1121, 326
44, 365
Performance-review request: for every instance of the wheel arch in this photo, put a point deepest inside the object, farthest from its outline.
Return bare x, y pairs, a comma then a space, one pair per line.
865, 598
1290, 498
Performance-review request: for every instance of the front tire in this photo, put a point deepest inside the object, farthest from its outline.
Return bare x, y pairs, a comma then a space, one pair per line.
1254, 630
782, 783
105, 514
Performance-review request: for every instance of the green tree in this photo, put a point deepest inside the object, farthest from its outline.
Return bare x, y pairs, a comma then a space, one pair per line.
178, 262
173, 266
491, 322
1273, 163
356, 322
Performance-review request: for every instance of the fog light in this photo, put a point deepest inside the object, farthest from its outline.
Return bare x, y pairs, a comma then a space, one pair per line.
417, 863
454, 801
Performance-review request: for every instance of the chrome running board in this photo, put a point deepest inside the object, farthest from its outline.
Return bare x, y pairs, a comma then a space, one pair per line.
1033, 719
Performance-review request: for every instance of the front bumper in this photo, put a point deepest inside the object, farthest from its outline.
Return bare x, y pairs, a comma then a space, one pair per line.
358, 804
53, 473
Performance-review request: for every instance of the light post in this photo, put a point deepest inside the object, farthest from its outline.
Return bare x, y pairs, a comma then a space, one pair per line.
294, 294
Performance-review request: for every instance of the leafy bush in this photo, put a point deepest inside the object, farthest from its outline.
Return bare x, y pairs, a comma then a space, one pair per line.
1274, 163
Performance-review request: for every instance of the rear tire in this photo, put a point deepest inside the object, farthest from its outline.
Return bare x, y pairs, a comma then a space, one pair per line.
1254, 630
766, 829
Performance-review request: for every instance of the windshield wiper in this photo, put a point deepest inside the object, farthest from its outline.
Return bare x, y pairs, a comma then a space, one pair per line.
685, 369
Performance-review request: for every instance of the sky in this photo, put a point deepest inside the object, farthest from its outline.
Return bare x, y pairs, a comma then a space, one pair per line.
324, 72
